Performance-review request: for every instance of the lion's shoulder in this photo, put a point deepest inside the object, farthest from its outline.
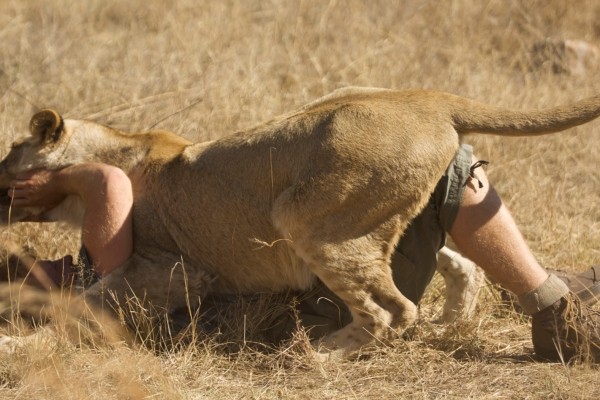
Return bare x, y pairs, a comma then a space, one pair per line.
164, 145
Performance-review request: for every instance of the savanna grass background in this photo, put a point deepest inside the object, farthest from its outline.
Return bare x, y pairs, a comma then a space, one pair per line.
205, 69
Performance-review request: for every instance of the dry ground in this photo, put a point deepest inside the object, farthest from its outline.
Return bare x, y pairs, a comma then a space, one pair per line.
208, 68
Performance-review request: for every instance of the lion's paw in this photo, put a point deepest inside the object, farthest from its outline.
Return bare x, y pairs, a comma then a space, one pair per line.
10, 344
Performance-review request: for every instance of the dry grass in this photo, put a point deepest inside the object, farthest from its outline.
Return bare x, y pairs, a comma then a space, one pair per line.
205, 69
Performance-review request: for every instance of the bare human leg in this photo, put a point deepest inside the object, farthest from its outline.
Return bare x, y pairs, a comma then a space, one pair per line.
562, 327
486, 233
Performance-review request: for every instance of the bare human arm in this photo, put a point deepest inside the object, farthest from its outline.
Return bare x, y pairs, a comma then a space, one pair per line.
107, 232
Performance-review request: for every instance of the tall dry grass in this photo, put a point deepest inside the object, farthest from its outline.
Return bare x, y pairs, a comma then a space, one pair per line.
205, 69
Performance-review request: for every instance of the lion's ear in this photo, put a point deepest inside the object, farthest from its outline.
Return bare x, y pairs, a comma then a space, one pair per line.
47, 125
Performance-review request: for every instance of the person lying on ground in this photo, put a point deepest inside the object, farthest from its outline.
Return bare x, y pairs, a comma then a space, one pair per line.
463, 205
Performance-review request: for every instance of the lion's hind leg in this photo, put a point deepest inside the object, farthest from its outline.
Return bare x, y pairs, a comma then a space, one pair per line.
345, 229
463, 282
357, 270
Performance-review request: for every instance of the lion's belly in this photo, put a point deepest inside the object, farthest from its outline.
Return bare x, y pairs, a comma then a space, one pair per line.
273, 268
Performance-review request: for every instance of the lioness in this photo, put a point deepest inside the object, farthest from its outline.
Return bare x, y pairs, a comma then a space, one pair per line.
325, 191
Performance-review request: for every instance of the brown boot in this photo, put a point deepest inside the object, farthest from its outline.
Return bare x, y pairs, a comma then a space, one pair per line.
586, 284
567, 329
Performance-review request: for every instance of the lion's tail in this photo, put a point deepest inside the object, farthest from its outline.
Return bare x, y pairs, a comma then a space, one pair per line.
470, 116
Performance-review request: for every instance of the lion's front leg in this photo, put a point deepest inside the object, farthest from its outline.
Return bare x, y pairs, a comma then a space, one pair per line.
56, 315
149, 289
139, 289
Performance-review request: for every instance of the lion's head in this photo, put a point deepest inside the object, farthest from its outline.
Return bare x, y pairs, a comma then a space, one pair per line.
41, 149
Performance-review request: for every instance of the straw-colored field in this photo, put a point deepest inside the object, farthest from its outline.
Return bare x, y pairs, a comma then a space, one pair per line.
205, 69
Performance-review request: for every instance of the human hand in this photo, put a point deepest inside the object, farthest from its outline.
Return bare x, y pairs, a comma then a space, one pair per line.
36, 188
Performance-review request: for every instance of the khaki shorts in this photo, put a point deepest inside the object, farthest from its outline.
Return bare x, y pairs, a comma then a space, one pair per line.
413, 263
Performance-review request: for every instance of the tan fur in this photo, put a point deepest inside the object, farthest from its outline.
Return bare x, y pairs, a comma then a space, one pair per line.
325, 191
